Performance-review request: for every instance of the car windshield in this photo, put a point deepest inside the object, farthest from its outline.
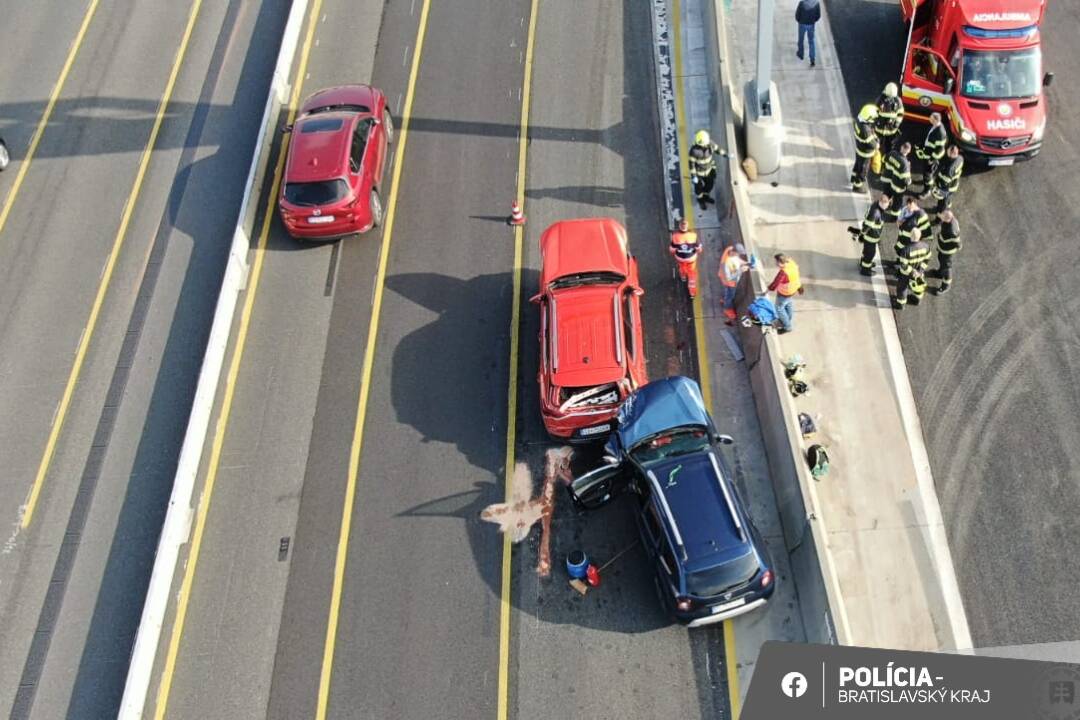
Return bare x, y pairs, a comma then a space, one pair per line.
311, 194
1002, 74
587, 278
670, 443
715, 580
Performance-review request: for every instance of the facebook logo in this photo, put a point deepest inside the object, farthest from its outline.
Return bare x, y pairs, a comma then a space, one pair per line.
793, 684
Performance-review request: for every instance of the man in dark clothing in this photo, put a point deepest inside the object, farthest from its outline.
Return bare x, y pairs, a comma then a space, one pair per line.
912, 218
948, 245
932, 150
703, 167
866, 143
807, 14
897, 176
890, 117
947, 181
870, 233
911, 279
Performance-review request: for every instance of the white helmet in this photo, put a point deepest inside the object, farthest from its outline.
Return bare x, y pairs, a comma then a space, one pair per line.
890, 90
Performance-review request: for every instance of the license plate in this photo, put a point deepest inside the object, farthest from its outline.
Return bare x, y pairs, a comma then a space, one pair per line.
595, 430
321, 219
728, 606
1001, 161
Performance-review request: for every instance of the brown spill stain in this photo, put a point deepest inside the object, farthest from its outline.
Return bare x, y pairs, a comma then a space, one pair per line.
516, 517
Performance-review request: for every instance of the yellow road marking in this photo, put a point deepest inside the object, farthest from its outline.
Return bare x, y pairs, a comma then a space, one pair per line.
24, 165
512, 388
704, 366
365, 381
106, 277
230, 387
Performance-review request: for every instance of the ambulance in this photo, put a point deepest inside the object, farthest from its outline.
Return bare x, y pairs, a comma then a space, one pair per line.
978, 63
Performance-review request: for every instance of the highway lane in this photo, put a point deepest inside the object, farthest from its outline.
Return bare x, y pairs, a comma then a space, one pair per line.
73, 581
992, 362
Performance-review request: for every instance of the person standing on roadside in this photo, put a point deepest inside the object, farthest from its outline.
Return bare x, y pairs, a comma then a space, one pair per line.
703, 167
807, 14
733, 263
869, 234
787, 284
948, 244
912, 218
947, 181
911, 278
866, 144
890, 117
897, 176
932, 150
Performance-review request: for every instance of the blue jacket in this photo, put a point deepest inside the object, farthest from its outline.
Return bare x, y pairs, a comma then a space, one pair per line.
808, 12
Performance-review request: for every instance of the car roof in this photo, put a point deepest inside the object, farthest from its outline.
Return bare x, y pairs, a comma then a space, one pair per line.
588, 344
569, 247
661, 405
319, 147
709, 524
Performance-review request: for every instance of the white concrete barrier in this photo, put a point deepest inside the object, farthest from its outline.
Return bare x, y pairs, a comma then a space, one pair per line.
177, 526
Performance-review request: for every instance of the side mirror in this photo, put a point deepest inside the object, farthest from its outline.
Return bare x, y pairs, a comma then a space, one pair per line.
949, 85
286, 129
724, 439
596, 487
536, 298
638, 291
1047, 79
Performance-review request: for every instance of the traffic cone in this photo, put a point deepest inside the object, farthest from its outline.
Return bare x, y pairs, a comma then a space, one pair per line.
517, 217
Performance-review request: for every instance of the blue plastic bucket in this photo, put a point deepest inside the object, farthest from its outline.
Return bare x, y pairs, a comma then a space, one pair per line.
577, 564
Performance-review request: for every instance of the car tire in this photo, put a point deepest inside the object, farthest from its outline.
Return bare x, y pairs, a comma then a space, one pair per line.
4, 157
375, 203
388, 123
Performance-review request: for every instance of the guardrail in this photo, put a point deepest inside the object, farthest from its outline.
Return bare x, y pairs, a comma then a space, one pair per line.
177, 526
805, 535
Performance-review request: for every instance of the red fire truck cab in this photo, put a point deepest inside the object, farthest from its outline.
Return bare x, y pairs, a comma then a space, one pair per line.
978, 63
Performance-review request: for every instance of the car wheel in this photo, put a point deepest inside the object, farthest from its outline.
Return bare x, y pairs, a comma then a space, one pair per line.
4, 157
388, 123
376, 209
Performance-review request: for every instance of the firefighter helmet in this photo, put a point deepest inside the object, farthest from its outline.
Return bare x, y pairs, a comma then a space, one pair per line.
890, 90
701, 137
868, 113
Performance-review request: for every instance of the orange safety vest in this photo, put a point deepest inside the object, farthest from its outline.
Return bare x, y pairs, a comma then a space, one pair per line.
791, 287
731, 266
683, 245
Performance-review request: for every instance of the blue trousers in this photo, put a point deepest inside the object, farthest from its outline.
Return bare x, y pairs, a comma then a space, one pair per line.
785, 311
807, 30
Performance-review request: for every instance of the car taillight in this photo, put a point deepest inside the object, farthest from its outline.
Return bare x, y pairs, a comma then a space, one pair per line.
766, 578
684, 604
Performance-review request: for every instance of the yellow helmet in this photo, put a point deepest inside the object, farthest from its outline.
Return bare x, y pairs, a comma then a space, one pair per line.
868, 113
701, 137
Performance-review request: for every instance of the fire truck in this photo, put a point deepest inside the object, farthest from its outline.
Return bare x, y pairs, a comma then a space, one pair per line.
978, 63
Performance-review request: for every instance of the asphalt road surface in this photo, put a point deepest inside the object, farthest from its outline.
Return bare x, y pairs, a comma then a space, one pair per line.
72, 580
993, 364
418, 631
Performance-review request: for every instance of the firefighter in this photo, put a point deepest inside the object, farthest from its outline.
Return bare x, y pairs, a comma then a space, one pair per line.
932, 150
897, 176
890, 116
947, 181
948, 245
703, 167
869, 234
911, 278
912, 218
866, 143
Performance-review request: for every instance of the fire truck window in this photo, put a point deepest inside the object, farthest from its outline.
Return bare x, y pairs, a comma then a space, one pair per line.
926, 65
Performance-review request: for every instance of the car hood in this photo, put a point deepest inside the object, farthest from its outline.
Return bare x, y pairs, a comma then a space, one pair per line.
661, 405
1003, 117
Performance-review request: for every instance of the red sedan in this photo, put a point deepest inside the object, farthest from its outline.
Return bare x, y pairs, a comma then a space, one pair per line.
337, 157
591, 342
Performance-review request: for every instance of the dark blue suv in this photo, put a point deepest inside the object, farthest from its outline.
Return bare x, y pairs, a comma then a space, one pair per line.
711, 562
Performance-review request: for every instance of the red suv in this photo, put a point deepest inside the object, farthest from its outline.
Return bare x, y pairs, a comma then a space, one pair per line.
591, 346
337, 156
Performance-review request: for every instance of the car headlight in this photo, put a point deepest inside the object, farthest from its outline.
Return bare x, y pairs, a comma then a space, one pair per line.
1038, 134
967, 136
